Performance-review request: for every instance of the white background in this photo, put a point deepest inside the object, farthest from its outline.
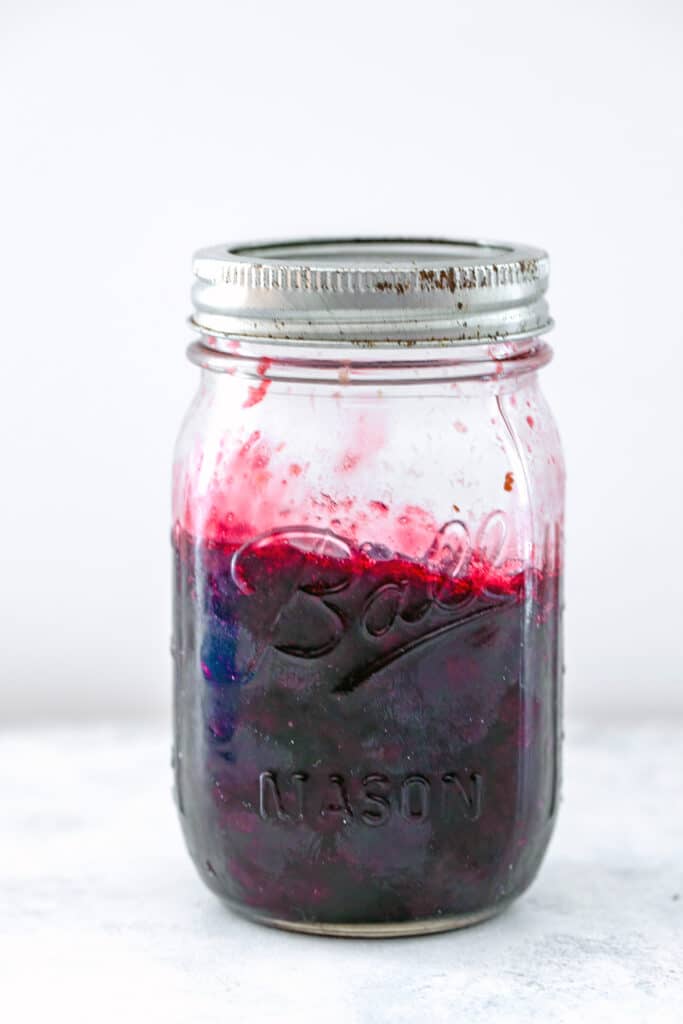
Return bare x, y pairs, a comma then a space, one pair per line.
134, 132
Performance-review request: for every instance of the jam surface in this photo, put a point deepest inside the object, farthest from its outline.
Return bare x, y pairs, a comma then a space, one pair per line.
363, 736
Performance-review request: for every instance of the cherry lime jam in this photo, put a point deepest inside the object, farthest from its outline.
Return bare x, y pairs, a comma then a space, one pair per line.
367, 507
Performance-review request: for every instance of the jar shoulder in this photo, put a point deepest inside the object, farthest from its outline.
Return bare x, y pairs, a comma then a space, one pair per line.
356, 462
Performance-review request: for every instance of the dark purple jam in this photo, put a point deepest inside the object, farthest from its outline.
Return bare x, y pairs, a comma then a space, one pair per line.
362, 738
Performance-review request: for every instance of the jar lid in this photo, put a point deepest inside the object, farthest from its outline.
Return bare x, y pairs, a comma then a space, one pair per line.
372, 291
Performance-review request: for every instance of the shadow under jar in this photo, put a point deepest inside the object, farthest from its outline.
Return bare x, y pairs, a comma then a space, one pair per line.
367, 504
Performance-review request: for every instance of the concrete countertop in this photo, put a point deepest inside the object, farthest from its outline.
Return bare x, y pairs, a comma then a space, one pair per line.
104, 919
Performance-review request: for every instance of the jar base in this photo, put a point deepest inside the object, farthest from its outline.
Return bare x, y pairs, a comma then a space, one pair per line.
378, 930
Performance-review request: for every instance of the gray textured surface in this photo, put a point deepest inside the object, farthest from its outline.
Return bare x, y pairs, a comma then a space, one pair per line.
104, 920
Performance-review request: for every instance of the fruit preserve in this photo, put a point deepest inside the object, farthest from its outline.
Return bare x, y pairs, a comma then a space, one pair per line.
368, 499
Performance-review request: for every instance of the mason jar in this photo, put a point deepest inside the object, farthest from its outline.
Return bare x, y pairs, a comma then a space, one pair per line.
367, 527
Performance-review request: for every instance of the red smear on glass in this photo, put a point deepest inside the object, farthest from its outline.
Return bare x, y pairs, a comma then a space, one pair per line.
349, 462
258, 392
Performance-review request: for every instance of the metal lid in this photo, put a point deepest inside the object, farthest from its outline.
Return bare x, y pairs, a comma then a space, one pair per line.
371, 291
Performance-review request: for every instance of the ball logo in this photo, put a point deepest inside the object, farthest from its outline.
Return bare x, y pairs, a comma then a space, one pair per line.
361, 621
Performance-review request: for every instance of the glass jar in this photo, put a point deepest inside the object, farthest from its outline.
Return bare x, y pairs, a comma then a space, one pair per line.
368, 502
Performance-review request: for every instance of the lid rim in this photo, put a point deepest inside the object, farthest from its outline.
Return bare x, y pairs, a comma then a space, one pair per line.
465, 291
345, 341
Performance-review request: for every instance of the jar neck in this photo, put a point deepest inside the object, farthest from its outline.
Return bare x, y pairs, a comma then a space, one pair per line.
355, 364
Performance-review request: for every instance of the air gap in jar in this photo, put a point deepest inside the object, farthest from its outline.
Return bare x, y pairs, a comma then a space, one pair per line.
367, 510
